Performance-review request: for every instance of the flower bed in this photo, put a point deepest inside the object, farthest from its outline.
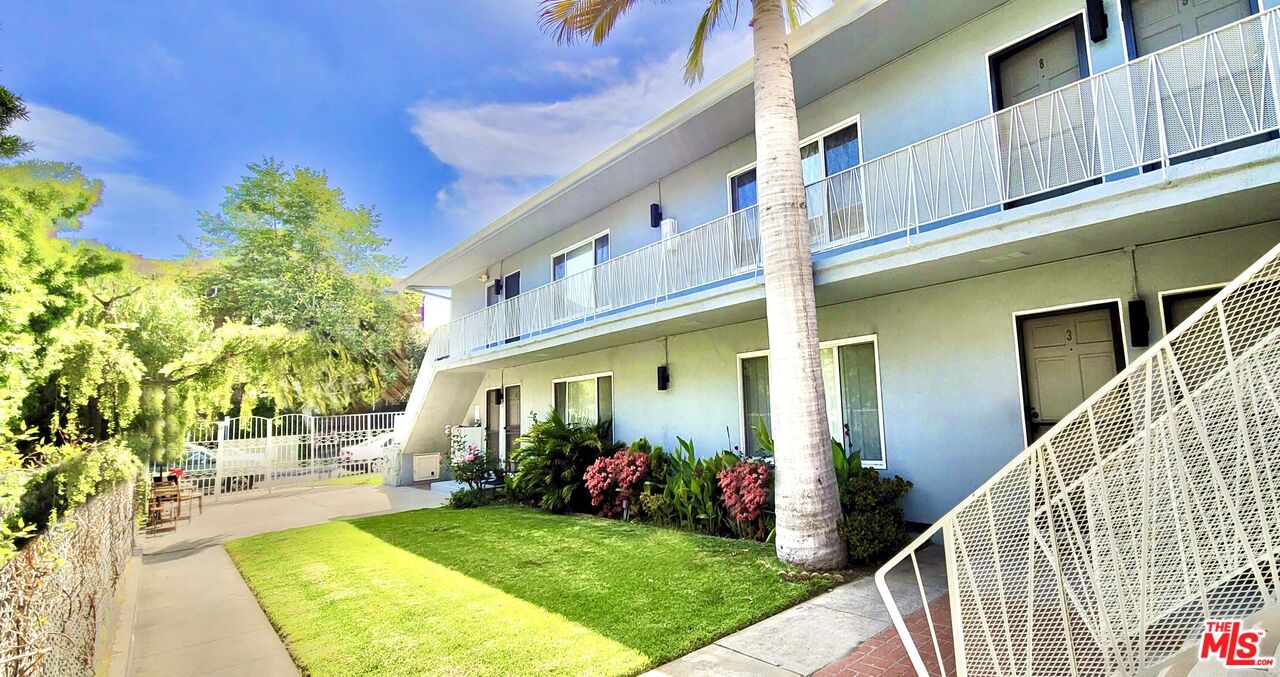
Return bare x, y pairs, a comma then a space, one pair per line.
564, 466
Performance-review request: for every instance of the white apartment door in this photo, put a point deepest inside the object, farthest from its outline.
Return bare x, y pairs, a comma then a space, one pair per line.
1160, 23
1066, 357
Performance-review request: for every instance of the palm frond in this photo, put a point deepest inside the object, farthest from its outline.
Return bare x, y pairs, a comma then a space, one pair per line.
694, 65
572, 20
796, 11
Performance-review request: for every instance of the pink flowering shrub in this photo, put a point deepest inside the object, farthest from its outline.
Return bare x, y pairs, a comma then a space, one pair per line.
612, 479
744, 490
468, 463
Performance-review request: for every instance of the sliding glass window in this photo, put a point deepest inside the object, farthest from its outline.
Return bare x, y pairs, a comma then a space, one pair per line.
585, 400
851, 380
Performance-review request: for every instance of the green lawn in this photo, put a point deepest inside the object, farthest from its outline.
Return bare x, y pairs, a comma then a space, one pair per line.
350, 480
505, 591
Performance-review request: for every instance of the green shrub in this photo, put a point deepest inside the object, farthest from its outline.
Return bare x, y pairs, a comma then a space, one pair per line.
54, 491
652, 505
873, 526
692, 490
551, 459
469, 498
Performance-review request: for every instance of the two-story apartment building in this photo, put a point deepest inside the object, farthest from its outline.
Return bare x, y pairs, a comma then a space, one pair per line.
1009, 200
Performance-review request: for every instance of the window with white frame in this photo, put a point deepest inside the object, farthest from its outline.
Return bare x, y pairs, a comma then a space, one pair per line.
742, 190
830, 153
580, 257
585, 400
851, 379
827, 153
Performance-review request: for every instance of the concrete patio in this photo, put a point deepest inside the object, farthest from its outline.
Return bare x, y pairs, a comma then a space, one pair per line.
196, 616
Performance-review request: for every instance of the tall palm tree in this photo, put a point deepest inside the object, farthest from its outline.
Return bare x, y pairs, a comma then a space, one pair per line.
807, 500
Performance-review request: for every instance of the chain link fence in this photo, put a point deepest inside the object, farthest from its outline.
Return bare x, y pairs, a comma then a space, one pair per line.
54, 592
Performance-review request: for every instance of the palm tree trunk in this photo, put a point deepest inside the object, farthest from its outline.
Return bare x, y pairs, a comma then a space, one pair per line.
808, 506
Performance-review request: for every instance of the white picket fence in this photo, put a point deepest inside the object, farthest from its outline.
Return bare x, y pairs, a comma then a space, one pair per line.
243, 454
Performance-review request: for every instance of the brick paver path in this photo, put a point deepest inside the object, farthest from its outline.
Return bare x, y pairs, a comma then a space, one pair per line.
884, 655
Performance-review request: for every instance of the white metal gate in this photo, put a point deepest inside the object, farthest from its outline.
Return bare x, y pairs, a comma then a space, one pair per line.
242, 454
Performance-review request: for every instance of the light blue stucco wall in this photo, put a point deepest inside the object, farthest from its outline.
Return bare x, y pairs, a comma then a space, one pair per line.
939, 86
949, 367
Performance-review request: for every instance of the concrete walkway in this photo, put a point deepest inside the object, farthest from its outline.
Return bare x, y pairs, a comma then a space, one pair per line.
811, 635
195, 614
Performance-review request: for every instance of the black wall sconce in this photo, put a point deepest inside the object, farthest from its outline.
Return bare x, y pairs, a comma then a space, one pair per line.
1096, 15
1139, 324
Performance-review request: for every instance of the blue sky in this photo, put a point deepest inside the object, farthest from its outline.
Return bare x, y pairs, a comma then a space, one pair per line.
442, 115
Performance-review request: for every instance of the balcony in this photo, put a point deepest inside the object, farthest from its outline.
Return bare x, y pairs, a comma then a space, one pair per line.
1212, 90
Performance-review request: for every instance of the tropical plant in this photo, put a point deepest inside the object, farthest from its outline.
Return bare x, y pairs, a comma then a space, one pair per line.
553, 456
873, 526
692, 491
808, 507
614, 480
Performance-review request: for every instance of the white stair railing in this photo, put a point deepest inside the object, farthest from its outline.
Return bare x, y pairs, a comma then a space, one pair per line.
1153, 507
1213, 89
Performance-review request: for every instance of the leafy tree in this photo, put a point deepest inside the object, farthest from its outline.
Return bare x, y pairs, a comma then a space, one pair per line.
11, 110
290, 251
144, 361
808, 508
41, 277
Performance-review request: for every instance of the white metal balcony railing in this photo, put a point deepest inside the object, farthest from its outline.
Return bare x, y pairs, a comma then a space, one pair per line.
710, 253
1213, 89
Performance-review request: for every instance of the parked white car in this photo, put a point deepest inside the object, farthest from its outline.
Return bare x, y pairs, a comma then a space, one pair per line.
360, 458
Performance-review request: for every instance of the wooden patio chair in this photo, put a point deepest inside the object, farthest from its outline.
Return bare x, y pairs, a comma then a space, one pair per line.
165, 509
189, 492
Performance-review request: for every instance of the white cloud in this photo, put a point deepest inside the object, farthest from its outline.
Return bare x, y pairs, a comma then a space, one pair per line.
133, 204
592, 69
503, 152
61, 136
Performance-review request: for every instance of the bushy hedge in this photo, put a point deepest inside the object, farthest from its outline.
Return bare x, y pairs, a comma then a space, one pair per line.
872, 524
54, 491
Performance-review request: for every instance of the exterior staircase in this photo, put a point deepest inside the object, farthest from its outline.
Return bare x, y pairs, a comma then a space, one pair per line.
439, 398
1104, 547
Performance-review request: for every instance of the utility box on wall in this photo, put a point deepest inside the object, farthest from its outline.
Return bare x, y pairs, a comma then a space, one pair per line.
426, 467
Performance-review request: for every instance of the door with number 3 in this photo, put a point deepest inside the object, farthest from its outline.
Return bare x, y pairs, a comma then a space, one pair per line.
1066, 357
